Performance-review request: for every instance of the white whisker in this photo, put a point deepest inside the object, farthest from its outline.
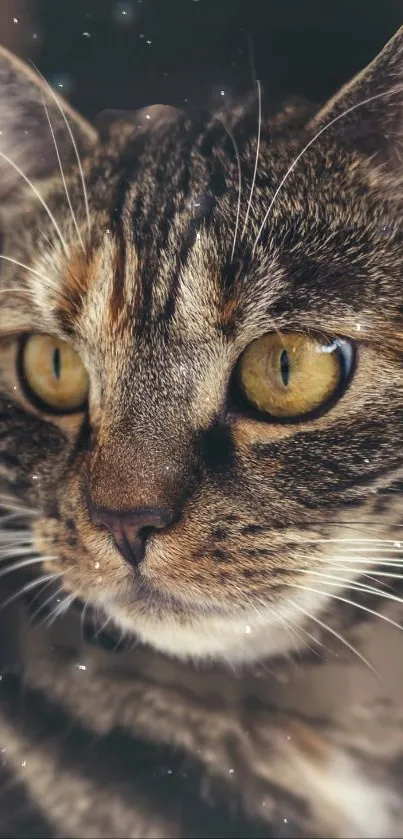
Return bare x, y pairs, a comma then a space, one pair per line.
359, 572
11, 537
60, 609
39, 197
85, 607
394, 561
348, 602
311, 142
7, 518
349, 540
74, 144
17, 566
121, 638
102, 628
19, 551
356, 585
238, 159
45, 602
43, 277
391, 550
10, 503
29, 587
259, 91
63, 176
374, 561
285, 622
336, 635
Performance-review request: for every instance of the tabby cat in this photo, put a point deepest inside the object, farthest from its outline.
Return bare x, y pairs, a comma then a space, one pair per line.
201, 434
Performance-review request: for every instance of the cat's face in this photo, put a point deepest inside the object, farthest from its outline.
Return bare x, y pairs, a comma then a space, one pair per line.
198, 394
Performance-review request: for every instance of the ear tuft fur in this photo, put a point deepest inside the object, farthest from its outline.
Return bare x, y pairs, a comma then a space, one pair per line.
25, 136
368, 111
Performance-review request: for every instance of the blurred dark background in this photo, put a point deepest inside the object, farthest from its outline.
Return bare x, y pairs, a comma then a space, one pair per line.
117, 54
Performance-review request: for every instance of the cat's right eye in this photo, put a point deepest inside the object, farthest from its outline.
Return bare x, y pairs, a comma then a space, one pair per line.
52, 375
290, 376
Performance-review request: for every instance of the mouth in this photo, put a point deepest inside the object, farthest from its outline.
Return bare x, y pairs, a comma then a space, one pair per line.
140, 594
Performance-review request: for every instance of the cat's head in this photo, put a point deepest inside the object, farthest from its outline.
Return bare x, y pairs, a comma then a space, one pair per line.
200, 360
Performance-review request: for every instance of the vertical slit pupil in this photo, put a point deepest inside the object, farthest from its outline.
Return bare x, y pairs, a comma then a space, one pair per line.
57, 362
285, 367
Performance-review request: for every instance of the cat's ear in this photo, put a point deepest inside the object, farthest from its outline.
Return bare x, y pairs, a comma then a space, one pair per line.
29, 112
367, 114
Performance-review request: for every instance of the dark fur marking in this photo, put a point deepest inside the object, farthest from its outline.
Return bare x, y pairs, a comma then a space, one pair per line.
219, 533
252, 529
216, 449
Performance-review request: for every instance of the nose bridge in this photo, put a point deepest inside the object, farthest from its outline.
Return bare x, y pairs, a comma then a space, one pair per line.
139, 462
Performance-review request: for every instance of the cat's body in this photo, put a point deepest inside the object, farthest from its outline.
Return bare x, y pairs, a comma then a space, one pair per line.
130, 743
162, 468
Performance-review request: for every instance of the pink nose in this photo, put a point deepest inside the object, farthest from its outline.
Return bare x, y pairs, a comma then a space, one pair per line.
131, 529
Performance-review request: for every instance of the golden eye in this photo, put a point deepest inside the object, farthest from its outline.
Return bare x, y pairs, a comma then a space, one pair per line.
291, 375
53, 374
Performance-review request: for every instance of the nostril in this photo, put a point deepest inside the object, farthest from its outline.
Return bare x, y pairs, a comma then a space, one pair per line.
146, 531
131, 529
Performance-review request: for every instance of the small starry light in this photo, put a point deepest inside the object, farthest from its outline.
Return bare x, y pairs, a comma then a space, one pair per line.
149, 42
34, 36
148, 116
97, 565
86, 34
15, 19
285, 821
23, 763
80, 667
222, 92
35, 477
248, 629
231, 771
366, 459
124, 13
142, 35
63, 81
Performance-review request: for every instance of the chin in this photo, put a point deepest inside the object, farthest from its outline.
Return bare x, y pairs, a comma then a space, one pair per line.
242, 636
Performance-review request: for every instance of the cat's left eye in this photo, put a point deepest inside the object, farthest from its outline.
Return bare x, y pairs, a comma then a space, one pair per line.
52, 374
291, 376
